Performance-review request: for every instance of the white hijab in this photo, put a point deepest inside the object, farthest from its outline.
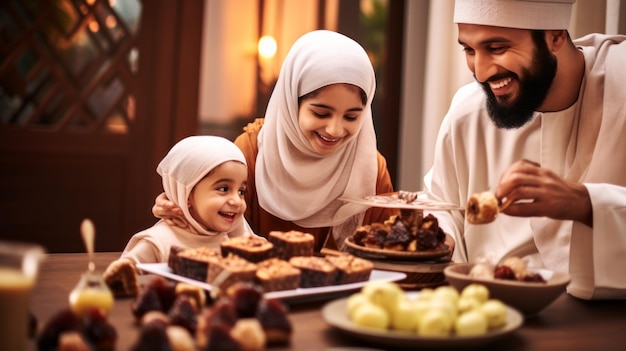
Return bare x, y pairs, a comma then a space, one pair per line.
294, 182
188, 162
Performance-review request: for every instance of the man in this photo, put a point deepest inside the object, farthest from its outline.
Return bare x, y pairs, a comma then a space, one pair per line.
544, 126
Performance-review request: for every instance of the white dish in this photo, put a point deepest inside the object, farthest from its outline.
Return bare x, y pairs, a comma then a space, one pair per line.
382, 254
291, 296
336, 315
424, 201
528, 298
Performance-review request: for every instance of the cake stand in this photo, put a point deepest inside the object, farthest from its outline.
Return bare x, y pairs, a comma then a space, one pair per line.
424, 269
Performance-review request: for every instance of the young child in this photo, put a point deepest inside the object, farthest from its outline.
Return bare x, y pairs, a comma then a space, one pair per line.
206, 176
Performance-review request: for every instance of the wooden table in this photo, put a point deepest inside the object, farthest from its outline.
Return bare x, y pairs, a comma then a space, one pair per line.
567, 324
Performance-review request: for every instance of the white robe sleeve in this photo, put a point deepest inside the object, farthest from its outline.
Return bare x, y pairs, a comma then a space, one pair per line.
598, 254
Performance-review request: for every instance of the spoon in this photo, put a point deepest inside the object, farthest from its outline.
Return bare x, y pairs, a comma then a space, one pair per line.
91, 291
87, 231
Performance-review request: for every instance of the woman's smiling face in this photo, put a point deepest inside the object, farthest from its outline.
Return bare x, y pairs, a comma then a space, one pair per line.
330, 116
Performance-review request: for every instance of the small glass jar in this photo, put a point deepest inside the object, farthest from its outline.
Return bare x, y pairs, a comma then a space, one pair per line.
91, 292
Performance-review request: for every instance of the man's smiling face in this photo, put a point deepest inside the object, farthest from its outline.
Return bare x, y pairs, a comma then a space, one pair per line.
514, 67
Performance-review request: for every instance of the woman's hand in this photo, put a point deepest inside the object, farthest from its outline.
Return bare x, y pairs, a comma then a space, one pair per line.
168, 211
539, 192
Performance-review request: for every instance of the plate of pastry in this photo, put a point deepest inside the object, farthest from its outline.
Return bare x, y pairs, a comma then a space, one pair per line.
296, 295
409, 236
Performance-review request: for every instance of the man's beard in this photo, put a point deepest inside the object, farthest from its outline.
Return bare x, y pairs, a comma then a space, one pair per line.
533, 89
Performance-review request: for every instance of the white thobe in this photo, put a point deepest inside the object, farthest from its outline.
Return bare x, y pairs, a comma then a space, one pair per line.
584, 143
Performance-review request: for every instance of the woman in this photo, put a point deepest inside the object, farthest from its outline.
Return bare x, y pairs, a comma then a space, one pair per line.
316, 144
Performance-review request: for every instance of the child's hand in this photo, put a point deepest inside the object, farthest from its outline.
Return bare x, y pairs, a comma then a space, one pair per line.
168, 211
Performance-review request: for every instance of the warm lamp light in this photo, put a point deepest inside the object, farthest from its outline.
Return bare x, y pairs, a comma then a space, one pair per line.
267, 46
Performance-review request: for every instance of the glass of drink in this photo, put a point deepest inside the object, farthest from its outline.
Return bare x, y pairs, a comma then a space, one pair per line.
91, 292
19, 265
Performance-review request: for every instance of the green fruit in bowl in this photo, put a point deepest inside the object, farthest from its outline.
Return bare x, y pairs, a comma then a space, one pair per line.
404, 316
384, 294
446, 305
470, 323
467, 303
477, 291
420, 307
425, 294
371, 315
447, 292
435, 323
354, 301
495, 311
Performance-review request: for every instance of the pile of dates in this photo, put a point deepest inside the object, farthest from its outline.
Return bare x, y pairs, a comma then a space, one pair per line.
177, 317
68, 330
511, 268
239, 319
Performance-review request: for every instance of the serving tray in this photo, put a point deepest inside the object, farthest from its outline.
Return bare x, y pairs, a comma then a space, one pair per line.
423, 201
298, 295
373, 253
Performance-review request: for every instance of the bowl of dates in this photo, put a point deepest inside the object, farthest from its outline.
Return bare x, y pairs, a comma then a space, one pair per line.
529, 291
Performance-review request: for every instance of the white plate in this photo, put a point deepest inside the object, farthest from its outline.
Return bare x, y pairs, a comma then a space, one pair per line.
424, 201
335, 314
382, 254
291, 296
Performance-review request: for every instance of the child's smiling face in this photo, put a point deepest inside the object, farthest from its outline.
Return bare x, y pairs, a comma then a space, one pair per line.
217, 200
329, 117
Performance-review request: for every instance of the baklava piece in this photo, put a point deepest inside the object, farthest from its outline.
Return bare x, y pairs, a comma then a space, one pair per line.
315, 271
275, 274
350, 269
252, 248
292, 243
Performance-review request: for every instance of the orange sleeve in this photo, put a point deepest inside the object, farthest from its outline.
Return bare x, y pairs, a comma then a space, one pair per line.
383, 185
247, 143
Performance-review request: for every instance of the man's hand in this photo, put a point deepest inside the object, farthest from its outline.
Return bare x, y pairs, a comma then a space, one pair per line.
539, 192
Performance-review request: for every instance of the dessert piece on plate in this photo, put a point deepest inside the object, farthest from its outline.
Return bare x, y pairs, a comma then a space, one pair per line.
194, 263
350, 269
229, 270
292, 243
173, 260
371, 235
412, 234
482, 208
275, 274
252, 248
315, 271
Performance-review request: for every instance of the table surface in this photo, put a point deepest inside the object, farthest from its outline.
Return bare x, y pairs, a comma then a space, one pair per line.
567, 324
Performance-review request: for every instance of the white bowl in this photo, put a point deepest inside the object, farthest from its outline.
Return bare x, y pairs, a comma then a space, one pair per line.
527, 297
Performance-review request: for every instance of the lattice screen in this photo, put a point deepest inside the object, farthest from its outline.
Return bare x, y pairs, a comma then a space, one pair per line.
68, 65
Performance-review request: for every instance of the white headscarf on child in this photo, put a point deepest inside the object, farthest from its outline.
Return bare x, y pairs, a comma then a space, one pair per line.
294, 182
188, 162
